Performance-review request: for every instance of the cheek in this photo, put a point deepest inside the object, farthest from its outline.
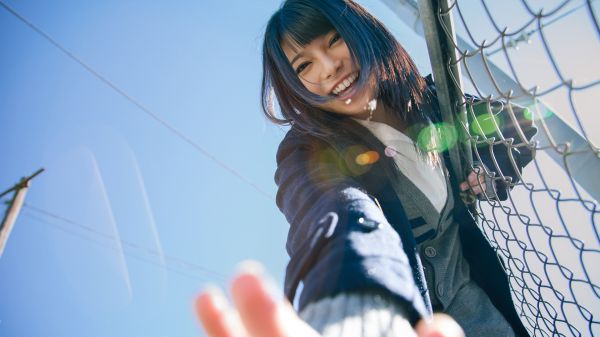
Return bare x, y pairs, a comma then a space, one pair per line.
314, 88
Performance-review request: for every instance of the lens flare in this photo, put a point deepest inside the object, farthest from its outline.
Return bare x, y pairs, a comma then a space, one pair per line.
367, 158
358, 159
485, 125
437, 137
537, 111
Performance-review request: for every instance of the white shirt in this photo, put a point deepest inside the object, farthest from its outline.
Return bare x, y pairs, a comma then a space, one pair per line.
430, 180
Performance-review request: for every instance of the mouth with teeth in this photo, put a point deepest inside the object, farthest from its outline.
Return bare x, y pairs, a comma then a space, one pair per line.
344, 89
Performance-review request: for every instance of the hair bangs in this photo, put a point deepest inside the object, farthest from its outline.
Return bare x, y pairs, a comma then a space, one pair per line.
301, 23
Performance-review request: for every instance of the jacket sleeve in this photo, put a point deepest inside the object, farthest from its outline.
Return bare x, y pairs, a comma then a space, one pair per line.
339, 239
503, 141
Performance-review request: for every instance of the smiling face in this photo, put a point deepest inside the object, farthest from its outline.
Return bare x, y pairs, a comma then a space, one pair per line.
325, 67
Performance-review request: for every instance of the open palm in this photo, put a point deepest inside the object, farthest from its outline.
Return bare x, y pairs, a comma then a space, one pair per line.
258, 313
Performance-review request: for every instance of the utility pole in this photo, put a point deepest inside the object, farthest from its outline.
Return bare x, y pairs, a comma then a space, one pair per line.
14, 207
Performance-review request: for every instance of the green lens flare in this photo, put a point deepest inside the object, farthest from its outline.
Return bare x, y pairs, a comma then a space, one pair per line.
485, 125
537, 111
438, 137
527, 114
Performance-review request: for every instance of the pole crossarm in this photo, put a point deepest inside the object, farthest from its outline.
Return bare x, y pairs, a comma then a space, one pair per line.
22, 182
14, 207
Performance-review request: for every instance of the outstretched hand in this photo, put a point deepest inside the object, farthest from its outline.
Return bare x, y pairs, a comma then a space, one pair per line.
260, 312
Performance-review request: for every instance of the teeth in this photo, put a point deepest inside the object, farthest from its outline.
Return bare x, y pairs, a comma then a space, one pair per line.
345, 84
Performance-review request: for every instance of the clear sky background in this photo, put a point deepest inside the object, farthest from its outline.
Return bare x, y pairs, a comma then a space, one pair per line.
129, 221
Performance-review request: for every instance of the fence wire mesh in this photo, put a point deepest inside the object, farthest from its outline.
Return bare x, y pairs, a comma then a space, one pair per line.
513, 69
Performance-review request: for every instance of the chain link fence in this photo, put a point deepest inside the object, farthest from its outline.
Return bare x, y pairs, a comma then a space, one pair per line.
499, 67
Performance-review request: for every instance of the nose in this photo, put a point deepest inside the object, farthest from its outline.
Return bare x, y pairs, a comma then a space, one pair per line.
331, 66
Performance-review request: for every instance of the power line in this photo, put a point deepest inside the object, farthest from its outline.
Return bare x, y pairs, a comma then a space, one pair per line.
103, 244
134, 101
181, 262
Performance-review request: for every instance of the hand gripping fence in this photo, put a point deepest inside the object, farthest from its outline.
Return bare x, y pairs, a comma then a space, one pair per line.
546, 229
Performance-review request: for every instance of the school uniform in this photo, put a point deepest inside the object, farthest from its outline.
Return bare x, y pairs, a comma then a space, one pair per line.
423, 192
369, 229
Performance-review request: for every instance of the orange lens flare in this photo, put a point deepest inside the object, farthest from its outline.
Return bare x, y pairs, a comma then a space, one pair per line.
367, 158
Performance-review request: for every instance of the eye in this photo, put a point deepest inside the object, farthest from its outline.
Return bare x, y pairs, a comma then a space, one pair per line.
335, 38
302, 67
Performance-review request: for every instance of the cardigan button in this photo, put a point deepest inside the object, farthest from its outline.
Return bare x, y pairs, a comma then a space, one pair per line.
430, 251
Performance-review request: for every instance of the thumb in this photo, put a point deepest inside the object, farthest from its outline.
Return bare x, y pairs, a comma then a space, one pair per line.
262, 310
440, 325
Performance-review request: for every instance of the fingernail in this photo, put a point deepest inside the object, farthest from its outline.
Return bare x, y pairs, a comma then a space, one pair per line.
257, 269
250, 267
216, 296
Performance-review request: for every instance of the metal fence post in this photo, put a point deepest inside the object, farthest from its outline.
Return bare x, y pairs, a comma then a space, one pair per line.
447, 76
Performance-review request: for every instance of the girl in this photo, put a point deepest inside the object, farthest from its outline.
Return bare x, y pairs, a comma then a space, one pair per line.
378, 233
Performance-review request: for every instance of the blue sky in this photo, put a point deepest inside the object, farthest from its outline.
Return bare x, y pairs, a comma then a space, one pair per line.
141, 199
139, 220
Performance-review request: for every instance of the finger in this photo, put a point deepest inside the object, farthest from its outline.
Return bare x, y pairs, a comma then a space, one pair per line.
476, 190
481, 184
263, 313
215, 315
476, 182
474, 179
440, 325
474, 187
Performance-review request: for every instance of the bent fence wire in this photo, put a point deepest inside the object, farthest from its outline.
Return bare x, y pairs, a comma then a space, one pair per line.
546, 231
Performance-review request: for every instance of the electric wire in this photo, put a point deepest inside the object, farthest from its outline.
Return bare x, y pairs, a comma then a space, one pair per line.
135, 102
89, 229
130, 254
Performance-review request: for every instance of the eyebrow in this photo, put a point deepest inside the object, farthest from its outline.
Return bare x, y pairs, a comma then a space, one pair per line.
295, 58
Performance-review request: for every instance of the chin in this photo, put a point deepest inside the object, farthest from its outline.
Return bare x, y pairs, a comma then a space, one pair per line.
354, 109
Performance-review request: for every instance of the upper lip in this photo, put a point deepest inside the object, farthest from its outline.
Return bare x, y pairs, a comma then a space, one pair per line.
340, 81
